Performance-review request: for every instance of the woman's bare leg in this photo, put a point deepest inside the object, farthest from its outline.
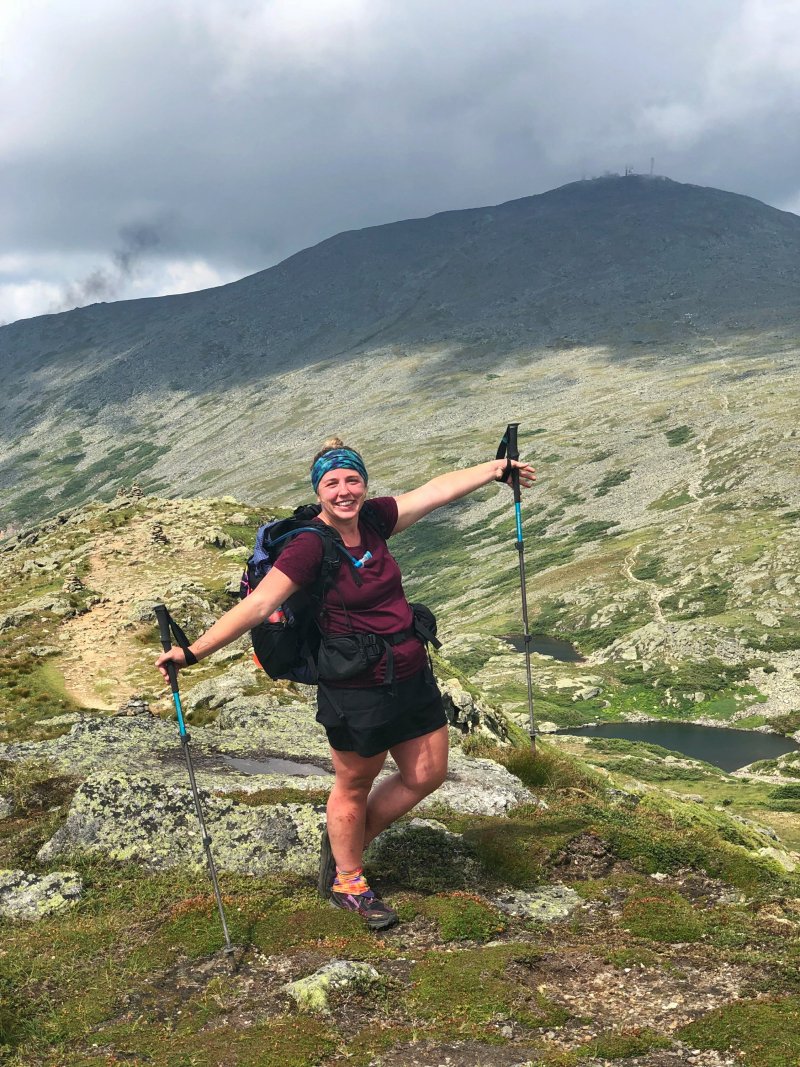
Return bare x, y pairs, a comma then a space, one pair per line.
421, 768
347, 805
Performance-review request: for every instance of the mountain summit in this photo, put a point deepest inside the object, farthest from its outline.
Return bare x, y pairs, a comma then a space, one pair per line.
624, 265
606, 260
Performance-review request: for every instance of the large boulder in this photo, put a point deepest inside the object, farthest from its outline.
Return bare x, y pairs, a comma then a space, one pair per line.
478, 787
139, 818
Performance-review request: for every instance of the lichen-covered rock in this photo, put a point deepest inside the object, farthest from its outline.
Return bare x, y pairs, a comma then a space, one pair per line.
423, 854
255, 728
313, 992
547, 905
788, 860
6, 807
478, 787
69, 718
96, 743
33, 896
132, 816
52, 603
214, 692
217, 538
471, 716
251, 723
588, 693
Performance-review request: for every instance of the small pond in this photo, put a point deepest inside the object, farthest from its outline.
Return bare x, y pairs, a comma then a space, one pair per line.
546, 646
724, 747
272, 765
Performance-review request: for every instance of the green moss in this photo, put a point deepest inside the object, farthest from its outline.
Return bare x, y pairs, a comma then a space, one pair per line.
475, 986
661, 917
416, 859
284, 1041
463, 917
619, 1045
668, 834
763, 1032
517, 850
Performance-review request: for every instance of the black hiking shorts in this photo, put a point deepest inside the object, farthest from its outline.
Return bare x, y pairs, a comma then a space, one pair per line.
374, 719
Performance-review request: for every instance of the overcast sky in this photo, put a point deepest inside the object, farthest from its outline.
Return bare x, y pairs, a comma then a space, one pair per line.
167, 145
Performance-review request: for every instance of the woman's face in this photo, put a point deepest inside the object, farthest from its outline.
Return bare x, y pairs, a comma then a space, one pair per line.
341, 494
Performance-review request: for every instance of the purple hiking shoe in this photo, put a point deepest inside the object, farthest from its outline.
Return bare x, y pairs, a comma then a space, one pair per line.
371, 908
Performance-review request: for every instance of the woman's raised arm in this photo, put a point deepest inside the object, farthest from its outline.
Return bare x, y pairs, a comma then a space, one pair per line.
445, 488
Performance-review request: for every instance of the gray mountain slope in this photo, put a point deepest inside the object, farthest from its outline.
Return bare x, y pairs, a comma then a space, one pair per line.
598, 262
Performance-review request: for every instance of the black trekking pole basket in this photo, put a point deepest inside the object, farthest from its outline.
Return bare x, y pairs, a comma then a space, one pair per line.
509, 450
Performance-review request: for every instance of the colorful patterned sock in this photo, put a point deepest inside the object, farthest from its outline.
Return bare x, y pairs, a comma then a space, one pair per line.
350, 881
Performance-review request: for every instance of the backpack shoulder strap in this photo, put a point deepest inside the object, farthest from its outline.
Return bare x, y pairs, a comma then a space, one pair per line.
373, 519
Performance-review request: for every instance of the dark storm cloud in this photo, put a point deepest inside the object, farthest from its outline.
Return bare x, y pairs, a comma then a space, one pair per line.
262, 126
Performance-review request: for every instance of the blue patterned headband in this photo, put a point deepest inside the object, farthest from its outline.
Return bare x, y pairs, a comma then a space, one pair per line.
337, 459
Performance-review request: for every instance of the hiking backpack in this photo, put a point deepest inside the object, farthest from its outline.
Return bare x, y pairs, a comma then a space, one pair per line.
288, 645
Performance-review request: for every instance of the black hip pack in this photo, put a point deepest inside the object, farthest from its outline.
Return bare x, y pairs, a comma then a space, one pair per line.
343, 656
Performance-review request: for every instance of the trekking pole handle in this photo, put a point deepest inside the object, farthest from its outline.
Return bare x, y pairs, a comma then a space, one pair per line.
509, 449
512, 448
162, 615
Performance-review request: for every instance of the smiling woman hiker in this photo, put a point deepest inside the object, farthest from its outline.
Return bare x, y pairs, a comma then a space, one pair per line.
392, 704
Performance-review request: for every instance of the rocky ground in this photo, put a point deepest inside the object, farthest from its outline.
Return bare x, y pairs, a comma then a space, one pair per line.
588, 904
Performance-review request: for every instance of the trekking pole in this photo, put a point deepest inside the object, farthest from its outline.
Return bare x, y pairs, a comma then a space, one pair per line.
508, 450
164, 624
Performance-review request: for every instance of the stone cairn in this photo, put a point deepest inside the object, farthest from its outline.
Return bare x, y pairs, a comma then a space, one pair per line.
135, 706
157, 535
73, 584
132, 492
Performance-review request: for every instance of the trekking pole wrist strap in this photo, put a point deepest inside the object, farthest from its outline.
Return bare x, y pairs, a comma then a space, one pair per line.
505, 474
182, 641
508, 450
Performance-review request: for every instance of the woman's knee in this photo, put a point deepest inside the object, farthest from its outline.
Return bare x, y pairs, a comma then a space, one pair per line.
424, 779
353, 785
422, 762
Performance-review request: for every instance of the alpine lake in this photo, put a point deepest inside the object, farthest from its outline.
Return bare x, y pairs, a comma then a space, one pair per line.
723, 747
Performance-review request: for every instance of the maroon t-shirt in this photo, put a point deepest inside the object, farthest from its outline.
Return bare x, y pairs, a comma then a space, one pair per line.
377, 606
